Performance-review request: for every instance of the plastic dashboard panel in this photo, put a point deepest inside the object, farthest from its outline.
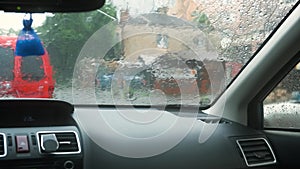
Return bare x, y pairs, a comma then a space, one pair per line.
32, 117
218, 152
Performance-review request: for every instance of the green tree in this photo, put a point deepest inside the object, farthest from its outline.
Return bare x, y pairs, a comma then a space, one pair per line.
65, 34
202, 21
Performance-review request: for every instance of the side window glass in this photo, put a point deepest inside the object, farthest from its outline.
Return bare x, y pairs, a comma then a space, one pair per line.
282, 105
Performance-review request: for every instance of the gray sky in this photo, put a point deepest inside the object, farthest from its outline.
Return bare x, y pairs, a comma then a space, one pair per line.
137, 7
14, 20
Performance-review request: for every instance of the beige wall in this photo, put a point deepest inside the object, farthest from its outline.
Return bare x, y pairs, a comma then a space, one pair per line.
142, 37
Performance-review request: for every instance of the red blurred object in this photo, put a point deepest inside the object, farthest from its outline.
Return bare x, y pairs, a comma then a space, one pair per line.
32, 76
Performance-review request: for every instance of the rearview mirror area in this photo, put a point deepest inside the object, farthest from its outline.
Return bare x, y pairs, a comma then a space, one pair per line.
40, 6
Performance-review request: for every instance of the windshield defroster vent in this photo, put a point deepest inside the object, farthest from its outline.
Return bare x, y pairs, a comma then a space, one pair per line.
67, 142
2, 145
210, 119
256, 152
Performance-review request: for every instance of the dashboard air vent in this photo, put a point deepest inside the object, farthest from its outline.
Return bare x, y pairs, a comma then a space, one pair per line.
59, 142
67, 142
2, 145
256, 152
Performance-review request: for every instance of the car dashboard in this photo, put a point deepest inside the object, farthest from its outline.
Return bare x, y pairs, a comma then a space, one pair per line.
39, 134
54, 134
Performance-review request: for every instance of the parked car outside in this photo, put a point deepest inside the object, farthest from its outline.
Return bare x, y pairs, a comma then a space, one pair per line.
24, 77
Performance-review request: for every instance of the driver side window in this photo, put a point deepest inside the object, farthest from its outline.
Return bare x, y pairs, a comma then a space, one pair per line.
282, 105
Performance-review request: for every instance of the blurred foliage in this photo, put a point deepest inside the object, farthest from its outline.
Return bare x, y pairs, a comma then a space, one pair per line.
65, 34
202, 21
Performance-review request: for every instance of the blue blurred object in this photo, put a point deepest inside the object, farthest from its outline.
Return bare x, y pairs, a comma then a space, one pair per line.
28, 42
296, 96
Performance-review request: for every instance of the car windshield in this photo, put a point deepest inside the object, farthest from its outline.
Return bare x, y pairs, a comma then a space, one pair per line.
137, 52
